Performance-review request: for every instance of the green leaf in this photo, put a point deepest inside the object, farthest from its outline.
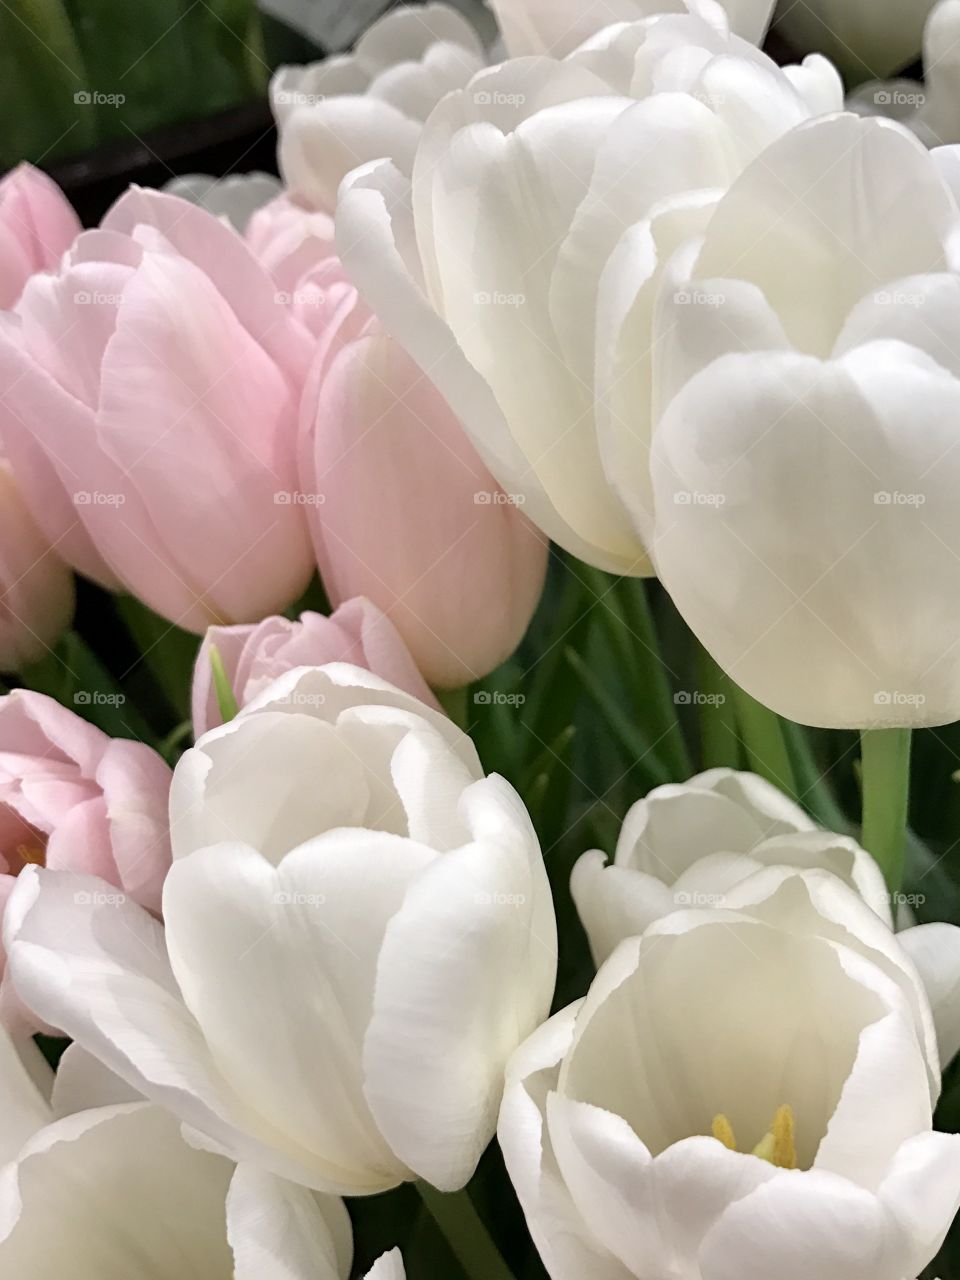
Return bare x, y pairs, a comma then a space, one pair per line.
169, 652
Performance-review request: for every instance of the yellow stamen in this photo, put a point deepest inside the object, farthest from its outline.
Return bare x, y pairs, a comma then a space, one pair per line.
778, 1147
31, 854
723, 1132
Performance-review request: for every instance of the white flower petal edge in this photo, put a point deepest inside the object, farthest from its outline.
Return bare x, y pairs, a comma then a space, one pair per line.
389, 1266
607, 1115
341, 829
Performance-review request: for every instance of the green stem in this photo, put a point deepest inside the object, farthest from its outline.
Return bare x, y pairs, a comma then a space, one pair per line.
764, 741
465, 1233
720, 746
885, 761
456, 703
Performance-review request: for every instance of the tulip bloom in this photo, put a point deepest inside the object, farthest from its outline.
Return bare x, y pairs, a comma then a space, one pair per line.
866, 38
775, 1120
100, 1184
37, 227
149, 411
490, 265
36, 587
339, 113
407, 885
558, 27
254, 656
804, 467
73, 799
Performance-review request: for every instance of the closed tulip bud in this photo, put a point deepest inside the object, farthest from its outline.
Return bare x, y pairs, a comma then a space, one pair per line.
130, 1197
150, 392
36, 587
518, 248
804, 466
37, 226
255, 655
407, 886
746, 1092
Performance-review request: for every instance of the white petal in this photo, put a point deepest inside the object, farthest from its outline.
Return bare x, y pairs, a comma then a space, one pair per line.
466, 971
279, 1231
935, 950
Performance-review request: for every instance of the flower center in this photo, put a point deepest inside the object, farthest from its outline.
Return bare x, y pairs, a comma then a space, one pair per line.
778, 1146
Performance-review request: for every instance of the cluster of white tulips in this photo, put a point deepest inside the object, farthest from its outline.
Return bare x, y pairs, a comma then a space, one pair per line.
674, 306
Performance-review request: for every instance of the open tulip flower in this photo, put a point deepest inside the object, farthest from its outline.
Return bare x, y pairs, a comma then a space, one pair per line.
774, 1120
804, 463
390, 1067
544, 189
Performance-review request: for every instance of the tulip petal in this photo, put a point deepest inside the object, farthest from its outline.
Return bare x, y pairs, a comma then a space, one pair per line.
446, 1013
935, 950
278, 1231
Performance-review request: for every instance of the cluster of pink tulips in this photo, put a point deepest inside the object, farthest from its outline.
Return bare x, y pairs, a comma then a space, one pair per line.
201, 419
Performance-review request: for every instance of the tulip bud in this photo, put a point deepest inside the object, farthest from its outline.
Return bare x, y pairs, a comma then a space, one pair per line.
37, 598
37, 226
149, 411
253, 656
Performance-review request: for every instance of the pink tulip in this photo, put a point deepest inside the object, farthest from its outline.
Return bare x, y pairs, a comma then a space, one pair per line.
73, 799
148, 402
254, 656
402, 509
36, 587
37, 227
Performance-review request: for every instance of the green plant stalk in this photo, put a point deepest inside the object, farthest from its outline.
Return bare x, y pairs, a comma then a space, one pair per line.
720, 746
465, 1233
764, 742
885, 762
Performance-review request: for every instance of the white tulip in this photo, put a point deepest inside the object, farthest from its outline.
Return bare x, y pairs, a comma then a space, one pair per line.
772, 1121
691, 844
388, 1267
359, 931
346, 110
539, 188
805, 466
930, 109
237, 197
866, 38
109, 1191
688, 845
558, 27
